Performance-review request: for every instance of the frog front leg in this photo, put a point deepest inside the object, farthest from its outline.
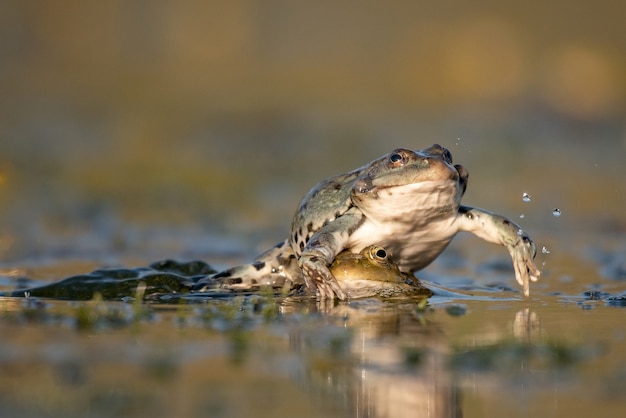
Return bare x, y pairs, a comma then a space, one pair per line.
500, 230
320, 251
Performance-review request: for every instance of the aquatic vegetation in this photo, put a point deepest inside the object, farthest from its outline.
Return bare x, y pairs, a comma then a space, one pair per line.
163, 277
507, 355
456, 309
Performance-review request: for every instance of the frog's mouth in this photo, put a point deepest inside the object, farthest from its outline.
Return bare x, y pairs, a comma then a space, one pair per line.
438, 151
431, 169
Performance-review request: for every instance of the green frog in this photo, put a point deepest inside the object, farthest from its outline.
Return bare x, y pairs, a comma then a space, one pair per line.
372, 272
407, 201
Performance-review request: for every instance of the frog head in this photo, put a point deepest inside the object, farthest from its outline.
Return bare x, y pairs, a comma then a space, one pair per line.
372, 263
404, 182
372, 272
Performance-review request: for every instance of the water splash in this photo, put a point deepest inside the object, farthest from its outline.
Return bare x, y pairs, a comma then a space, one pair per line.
556, 212
526, 197
544, 250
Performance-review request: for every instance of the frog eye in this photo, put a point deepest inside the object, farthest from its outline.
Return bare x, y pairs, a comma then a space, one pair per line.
396, 158
378, 253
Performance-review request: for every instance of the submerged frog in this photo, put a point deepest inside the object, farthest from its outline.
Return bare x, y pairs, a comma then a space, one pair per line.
372, 272
406, 201
368, 273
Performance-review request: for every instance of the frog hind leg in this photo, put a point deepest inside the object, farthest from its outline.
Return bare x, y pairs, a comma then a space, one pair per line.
276, 268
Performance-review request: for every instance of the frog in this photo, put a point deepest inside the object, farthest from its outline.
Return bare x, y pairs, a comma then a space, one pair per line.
372, 272
369, 273
407, 201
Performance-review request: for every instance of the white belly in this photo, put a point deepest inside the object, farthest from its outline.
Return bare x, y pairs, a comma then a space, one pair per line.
411, 246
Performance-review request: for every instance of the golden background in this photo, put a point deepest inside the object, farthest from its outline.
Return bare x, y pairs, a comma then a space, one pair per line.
220, 115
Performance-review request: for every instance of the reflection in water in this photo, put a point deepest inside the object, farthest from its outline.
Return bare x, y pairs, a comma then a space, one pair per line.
525, 324
391, 358
366, 358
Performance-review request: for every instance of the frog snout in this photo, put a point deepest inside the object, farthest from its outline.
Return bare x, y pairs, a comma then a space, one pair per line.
438, 152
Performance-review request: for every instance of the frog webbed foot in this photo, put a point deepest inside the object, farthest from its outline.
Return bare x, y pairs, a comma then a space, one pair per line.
319, 279
523, 252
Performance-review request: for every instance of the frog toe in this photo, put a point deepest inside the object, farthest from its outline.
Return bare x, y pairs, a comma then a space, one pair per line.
526, 272
324, 292
320, 280
525, 269
336, 290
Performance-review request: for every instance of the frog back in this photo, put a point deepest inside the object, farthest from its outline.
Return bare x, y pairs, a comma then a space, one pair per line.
324, 203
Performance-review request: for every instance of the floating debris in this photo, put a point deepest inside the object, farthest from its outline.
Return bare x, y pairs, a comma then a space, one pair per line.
456, 310
526, 197
595, 295
556, 212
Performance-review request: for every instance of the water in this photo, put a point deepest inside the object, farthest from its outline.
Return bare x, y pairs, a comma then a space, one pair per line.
267, 358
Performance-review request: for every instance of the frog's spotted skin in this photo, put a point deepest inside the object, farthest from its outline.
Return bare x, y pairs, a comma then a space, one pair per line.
276, 267
366, 274
406, 201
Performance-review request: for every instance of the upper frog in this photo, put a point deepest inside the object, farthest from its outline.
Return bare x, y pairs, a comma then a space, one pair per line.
406, 201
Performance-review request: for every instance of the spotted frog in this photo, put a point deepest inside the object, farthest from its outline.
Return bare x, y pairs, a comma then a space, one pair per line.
407, 201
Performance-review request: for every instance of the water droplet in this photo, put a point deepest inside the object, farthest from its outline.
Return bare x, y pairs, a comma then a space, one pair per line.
544, 250
521, 216
556, 212
526, 197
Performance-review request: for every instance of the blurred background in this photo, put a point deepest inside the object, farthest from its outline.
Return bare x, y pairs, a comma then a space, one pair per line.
147, 129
